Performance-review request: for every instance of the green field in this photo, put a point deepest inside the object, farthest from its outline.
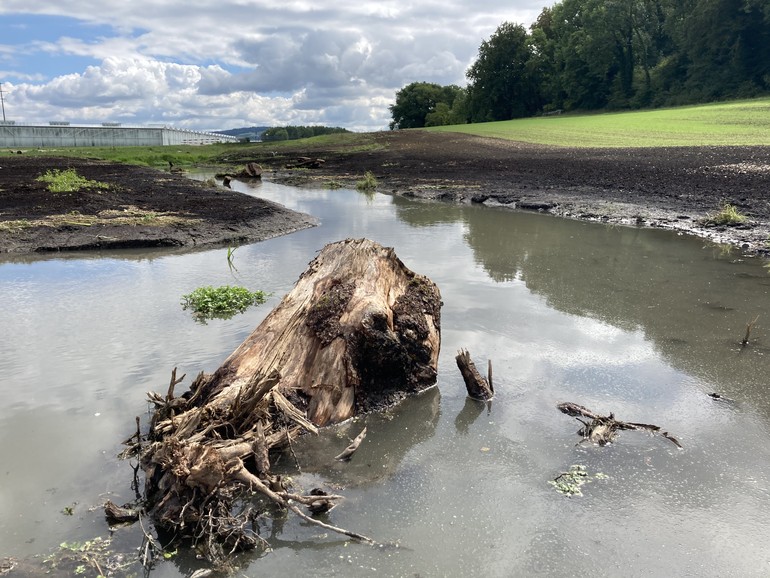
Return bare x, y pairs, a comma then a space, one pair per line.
732, 123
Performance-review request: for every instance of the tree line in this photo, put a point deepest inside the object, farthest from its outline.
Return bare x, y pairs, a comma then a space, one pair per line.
604, 54
296, 132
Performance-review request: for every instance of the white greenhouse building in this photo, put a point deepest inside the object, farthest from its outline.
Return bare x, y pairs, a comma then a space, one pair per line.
108, 134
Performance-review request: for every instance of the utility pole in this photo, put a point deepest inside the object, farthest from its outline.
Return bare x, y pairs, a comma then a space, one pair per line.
2, 102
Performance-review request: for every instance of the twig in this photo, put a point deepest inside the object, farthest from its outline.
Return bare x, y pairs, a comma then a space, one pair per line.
353, 535
251, 480
291, 449
174, 382
348, 452
749, 326
150, 546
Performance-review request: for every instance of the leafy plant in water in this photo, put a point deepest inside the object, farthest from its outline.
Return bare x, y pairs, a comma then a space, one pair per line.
727, 215
96, 556
368, 183
230, 256
68, 181
570, 482
222, 302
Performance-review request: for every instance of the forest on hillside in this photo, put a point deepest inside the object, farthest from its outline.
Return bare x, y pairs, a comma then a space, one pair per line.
604, 55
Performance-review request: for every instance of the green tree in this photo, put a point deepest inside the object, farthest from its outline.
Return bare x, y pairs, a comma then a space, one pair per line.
275, 134
726, 47
419, 101
502, 85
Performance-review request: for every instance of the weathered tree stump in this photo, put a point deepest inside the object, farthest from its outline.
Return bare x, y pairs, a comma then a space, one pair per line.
478, 387
357, 332
251, 171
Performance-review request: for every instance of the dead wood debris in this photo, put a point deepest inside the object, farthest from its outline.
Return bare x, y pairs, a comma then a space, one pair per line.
194, 459
603, 430
348, 452
477, 386
358, 332
749, 327
306, 163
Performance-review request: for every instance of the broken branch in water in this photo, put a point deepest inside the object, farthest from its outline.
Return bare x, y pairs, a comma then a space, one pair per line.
603, 430
749, 327
478, 387
348, 452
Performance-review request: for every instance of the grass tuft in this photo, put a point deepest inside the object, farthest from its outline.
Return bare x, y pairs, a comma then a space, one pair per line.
368, 183
727, 215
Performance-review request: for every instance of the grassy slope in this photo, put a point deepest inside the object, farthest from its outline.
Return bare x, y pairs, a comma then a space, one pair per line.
732, 123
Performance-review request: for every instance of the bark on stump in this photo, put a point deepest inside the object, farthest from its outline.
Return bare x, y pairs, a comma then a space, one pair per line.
358, 332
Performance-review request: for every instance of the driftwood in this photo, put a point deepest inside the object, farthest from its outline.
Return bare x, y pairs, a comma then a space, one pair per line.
357, 332
478, 387
306, 163
749, 327
120, 514
602, 430
348, 452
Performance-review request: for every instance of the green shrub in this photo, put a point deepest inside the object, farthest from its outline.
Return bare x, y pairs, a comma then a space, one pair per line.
222, 302
68, 181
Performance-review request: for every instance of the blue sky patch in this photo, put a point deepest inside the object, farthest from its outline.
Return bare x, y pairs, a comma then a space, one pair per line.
26, 60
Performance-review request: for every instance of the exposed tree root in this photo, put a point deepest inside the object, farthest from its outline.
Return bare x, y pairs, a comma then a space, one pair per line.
357, 332
602, 430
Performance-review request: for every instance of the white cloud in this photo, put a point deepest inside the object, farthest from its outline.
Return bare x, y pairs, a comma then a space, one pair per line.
218, 65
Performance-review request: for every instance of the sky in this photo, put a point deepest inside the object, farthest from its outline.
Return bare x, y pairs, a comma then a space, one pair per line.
215, 65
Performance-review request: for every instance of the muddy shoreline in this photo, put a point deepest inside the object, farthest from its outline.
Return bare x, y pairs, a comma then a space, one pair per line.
141, 208
671, 188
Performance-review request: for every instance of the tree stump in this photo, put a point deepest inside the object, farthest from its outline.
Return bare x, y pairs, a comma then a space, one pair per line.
358, 332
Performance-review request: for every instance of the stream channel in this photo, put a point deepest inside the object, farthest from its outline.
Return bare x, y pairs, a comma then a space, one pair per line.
642, 323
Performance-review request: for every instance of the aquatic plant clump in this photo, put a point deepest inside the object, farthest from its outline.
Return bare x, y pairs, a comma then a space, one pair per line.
223, 302
570, 482
68, 181
368, 183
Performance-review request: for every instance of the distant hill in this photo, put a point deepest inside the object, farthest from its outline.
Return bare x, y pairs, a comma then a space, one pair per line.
253, 133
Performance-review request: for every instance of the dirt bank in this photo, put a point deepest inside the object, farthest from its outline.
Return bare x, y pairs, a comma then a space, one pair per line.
671, 188
141, 207
661, 187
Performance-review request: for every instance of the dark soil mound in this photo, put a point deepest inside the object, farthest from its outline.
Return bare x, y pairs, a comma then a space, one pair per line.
141, 207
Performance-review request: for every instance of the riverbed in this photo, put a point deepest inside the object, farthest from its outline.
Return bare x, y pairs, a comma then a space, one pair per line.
642, 323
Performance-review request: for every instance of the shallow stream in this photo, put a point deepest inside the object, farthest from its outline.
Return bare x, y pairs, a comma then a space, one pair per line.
641, 323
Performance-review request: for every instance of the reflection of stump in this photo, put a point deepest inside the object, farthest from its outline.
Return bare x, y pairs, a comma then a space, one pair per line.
357, 332
478, 387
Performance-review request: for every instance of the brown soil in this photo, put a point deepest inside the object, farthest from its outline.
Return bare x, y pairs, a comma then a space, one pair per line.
661, 187
675, 188
142, 207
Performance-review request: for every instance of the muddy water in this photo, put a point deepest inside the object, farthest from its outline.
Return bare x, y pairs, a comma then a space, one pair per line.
641, 323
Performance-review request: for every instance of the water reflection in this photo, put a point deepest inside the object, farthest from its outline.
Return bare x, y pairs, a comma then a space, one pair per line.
691, 302
640, 323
